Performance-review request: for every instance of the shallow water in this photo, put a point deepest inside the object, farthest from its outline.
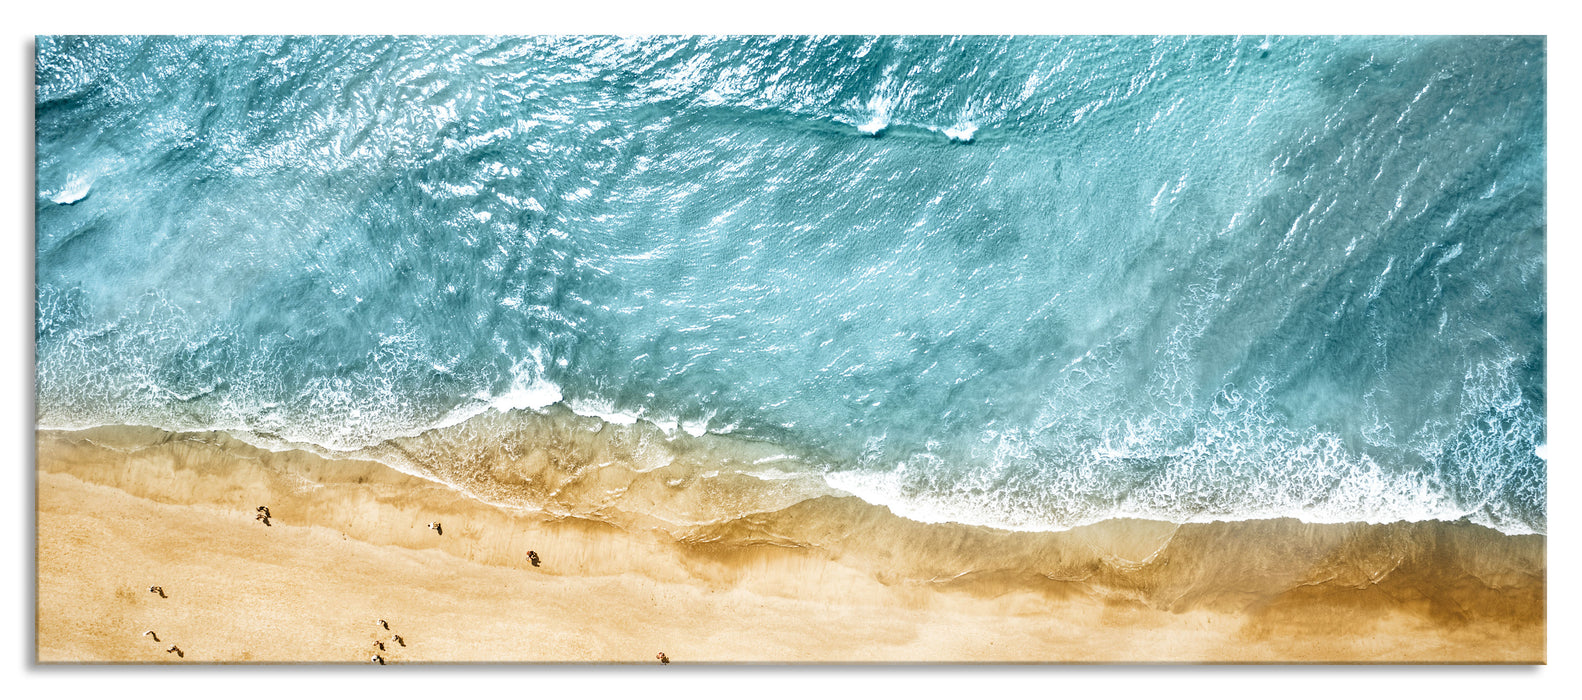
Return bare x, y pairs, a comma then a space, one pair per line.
1030, 282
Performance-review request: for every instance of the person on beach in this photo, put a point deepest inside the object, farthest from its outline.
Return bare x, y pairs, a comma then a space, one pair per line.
436, 528
398, 640
383, 624
379, 644
157, 589
662, 658
150, 633
378, 659
177, 650
532, 556
263, 514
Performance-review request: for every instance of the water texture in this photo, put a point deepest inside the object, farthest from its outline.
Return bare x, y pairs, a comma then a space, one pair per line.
1027, 282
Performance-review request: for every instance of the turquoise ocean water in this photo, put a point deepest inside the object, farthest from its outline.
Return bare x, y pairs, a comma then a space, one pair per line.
1027, 282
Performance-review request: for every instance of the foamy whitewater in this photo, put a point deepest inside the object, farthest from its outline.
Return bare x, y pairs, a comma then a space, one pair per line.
1029, 283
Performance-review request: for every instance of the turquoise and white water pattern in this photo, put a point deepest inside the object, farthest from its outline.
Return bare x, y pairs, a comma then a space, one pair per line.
1026, 282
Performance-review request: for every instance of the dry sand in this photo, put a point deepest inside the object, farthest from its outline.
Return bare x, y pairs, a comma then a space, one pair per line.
123, 509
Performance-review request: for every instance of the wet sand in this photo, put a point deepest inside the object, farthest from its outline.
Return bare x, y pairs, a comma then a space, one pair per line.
831, 580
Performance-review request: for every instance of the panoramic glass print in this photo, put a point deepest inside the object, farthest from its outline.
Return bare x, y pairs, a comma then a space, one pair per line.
793, 349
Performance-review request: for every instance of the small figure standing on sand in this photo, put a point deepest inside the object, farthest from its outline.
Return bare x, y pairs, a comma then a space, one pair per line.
379, 644
398, 640
532, 556
383, 624
177, 650
662, 658
157, 589
378, 659
436, 528
263, 514
150, 633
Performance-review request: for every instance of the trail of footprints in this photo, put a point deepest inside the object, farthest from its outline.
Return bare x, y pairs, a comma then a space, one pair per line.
172, 649
381, 647
396, 642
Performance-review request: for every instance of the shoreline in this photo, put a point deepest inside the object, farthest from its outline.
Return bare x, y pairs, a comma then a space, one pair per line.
827, 580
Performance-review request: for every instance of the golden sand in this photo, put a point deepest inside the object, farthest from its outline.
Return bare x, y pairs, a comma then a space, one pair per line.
123, 509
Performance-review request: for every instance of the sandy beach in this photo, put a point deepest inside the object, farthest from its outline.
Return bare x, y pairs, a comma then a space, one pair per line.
840, 581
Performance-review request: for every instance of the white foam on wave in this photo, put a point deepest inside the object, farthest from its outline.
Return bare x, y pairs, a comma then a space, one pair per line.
962, 132
879, 108
605, 411
777, 475
529, 391
888, 489
75, 189
602, 410
536, 396
873, 126
1000, 510
773, 458
1239, 463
